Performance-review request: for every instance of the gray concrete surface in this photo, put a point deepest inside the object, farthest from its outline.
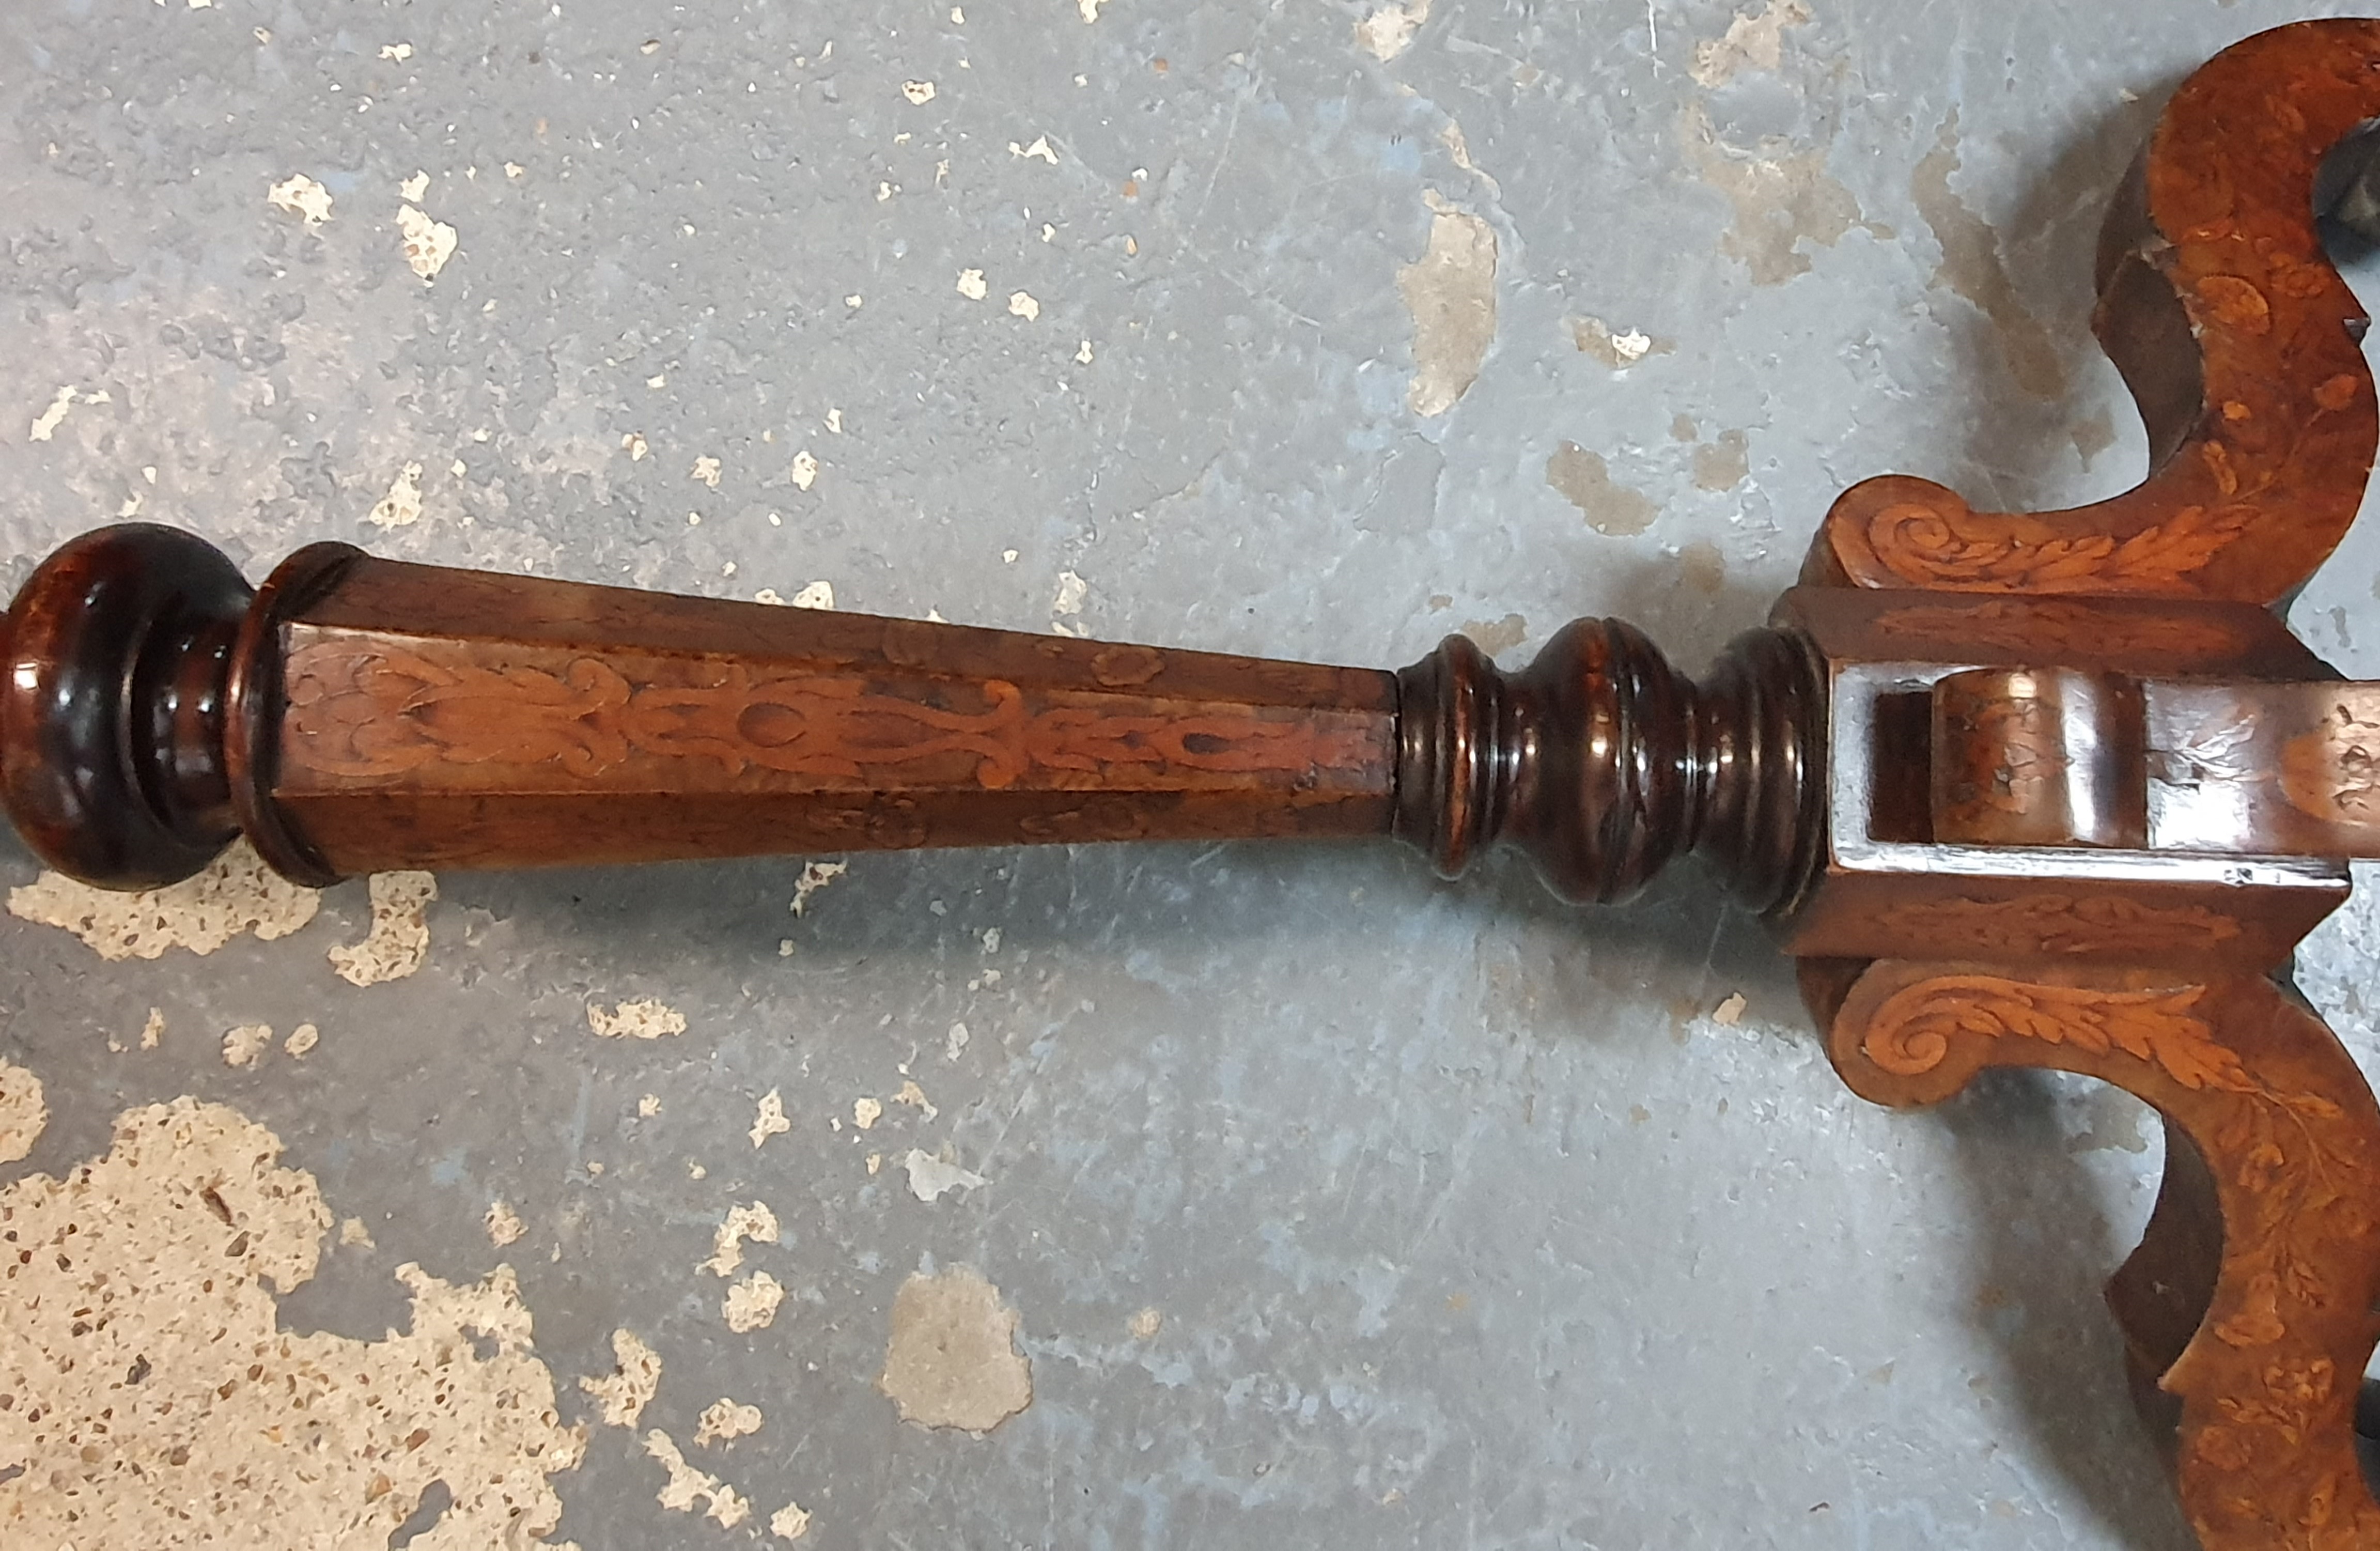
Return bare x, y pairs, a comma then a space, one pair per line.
1468, 1222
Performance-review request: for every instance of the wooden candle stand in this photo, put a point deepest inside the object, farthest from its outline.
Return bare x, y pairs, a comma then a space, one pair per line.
2018, 789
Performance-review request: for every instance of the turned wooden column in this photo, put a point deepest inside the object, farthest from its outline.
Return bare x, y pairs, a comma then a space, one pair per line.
353, 715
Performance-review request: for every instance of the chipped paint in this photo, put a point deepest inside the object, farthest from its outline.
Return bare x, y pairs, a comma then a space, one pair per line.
1388, 31
815, 876
1089, 10
428, 244
930, 1178
688, 1486
1724, 464
1585, 480
635, 1379
1041, 148
1753, 41
45, 425
724, 1421
920, 92
503, 1225
1451, 292
805, 471
301, 195
399, 939
914, 1098
818, 595
24, 1113
751, 1220
1782, 197
705, 471
865, 1112
1499, 635
1072, 590
401, 507
1146, 1323
1617, 348
236, 894
1729, 1012
951, 1360
245, 1046
1021, 304
302, 1040
637, 1018
1971, 267
752, 1303
185, 1414
152, 1031
790, 1523
772, 1119
412, 189
971, 284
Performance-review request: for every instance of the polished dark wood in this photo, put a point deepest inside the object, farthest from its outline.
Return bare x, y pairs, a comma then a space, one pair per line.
2053, 789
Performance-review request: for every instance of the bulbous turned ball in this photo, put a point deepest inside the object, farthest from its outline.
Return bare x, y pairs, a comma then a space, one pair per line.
1602, 762
118, 655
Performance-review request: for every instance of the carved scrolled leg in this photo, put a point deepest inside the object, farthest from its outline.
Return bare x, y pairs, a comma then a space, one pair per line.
2250, 1305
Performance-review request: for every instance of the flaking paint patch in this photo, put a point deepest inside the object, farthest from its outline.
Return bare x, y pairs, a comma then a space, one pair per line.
1617, 348
1388, 31
24, 1112
236, 894
752, 1303
637, 1018
1724, 464
399, 939
302, 197
45, 425
1754, 41
1585, 480
686, 1485
930, 1178
1782, 197
751, 1220
503, 1225
724, 1421
302, 1040
635, 1379
1451, 292
426, 243
771, 1121
245, 1046
401, 507
1971, 267
815, 876
790, 1523
157, 1401
951, 1361
1498, 635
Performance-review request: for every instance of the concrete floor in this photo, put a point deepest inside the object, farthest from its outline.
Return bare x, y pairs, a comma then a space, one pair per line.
1338, 1206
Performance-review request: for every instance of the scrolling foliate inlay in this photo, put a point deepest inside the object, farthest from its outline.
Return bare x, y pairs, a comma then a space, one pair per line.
1912, 1033
376, 713
1947, 545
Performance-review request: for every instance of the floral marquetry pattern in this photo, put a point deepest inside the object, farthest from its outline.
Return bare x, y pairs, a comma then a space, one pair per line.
2291, 1146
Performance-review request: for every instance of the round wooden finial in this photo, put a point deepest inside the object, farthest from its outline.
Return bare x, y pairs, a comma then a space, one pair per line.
118, 650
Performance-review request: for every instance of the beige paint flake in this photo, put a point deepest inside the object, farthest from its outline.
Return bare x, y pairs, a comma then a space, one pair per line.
724, 1421
1494, 636
772, 1119
396, 54
1972, 268
158, 1400
302, 1040
706, 471
633, 443
503, 1225
648, 1106
1089, 8
1072, 591
412, 189
815, 876
302, 195
354, 1234
45, 425
971, 285
1082, 354
24, 1114
1388, 31
1585, 480
635, 1379
1146, 1323
752, 1303
818, 595
865, 1112
428, 244
1021, 305
751, 1220
1782, 197
153, 1032
686, 1484
951, 1360
236, 894
914, 1098
245, 1046
399, 939
1729, 1013
1723, 464
790, 1523
930, 1178
1753, 41
1451, 292
920, 93
637, 1018
401, 507
955, 1041
1617, 348
805, 471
